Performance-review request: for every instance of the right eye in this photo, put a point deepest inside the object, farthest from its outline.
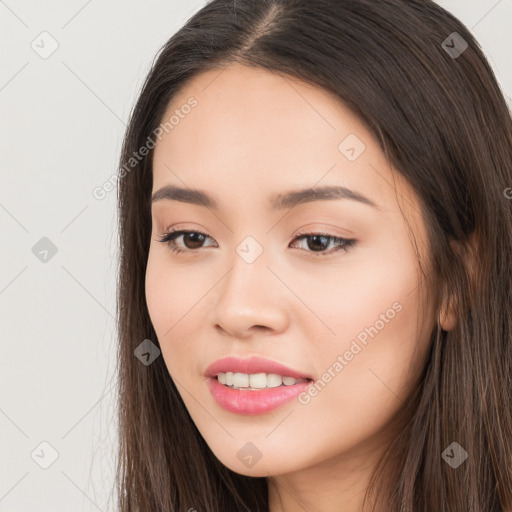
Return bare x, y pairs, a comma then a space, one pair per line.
192, 238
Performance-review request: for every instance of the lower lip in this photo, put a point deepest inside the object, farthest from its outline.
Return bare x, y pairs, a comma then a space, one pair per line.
254, 401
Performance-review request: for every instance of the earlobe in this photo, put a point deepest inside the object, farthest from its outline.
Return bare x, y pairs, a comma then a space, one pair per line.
447, 315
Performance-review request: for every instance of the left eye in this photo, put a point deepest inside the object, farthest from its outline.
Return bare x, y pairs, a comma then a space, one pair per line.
321, 241
316, 242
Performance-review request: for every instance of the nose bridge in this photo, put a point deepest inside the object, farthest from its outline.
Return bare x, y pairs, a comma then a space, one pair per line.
248, 295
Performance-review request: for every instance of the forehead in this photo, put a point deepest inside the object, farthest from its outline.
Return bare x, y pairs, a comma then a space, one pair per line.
252, 131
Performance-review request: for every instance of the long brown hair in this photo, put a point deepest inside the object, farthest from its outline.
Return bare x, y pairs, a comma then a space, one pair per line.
434, 106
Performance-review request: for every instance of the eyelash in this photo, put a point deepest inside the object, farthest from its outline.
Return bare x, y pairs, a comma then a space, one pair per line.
344, 244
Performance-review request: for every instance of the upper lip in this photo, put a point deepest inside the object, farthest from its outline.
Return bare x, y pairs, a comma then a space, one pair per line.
253, 364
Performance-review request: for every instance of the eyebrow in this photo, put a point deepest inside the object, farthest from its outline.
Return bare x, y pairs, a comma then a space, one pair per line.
277, 202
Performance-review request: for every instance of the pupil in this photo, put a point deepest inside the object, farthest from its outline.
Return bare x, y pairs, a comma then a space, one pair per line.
316, 238
198, 240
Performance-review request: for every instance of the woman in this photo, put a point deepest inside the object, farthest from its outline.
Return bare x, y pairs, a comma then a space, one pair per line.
315, 275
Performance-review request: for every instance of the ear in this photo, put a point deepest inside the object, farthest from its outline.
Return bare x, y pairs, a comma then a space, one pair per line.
447, 314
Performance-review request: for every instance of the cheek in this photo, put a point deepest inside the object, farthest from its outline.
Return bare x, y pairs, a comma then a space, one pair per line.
171, 291
170, 301
371, 308
365, 372
364, 288
160, 292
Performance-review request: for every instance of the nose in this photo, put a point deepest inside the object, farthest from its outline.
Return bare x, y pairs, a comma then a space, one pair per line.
251, 299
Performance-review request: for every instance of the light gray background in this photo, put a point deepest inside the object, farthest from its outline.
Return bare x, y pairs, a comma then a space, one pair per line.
63, 119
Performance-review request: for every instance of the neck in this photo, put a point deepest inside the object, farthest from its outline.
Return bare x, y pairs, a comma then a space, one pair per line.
338, 484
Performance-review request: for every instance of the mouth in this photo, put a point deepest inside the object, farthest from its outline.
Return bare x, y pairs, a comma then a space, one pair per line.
254, 385
240, 398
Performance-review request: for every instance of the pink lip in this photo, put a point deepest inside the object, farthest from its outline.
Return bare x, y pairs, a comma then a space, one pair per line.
253, 401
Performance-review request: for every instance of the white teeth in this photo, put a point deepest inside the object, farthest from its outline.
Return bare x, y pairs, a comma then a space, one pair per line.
274, 380
258, 380
241, 380
255, 380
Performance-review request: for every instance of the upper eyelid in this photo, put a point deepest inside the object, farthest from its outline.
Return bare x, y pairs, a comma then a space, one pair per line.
300, 233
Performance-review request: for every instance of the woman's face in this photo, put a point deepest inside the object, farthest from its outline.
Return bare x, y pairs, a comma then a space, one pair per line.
344, 314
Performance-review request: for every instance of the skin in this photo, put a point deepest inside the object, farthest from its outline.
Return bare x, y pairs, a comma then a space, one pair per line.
251, 135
